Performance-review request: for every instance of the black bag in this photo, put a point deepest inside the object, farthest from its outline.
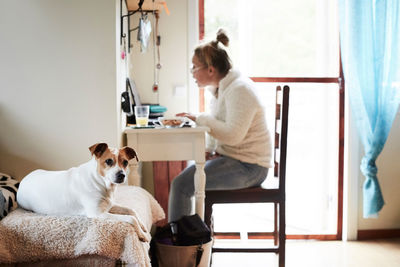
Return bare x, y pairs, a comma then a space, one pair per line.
191, 230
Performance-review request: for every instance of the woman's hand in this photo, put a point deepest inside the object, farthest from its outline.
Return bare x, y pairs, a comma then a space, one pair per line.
187, 115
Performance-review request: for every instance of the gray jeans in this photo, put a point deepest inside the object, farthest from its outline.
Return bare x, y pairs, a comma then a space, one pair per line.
222, 173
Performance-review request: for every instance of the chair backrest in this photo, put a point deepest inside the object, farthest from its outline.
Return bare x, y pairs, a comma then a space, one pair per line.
281, 130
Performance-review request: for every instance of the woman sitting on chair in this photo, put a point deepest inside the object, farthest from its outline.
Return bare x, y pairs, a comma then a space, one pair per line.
241, 154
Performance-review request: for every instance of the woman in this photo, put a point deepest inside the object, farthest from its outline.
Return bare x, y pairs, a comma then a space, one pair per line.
241, 154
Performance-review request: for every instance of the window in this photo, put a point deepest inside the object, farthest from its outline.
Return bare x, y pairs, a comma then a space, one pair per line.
296, 43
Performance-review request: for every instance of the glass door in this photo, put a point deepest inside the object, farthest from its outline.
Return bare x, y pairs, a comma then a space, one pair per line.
296, 43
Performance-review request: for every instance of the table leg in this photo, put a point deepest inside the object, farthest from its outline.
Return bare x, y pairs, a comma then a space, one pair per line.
134, 176
199, 187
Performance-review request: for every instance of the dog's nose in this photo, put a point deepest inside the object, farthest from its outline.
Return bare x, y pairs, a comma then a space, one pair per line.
120, 177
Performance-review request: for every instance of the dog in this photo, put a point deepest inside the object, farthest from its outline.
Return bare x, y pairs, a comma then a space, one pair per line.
84, 190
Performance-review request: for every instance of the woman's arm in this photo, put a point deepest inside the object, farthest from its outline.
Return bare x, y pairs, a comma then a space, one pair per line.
241, 107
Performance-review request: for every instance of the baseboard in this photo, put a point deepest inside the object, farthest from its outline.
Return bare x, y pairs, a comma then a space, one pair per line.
377, 234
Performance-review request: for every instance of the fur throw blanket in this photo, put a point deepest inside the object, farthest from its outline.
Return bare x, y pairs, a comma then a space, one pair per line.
27, 236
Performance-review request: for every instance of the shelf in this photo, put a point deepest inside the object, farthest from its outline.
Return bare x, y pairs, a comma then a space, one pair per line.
147, 5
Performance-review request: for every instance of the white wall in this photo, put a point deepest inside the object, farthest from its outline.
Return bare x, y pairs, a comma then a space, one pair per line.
389, 178
174, 60
58, 79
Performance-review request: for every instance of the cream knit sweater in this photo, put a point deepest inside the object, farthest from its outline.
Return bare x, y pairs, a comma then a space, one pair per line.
237, 121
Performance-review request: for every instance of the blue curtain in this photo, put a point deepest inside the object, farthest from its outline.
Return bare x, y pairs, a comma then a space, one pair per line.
370, 48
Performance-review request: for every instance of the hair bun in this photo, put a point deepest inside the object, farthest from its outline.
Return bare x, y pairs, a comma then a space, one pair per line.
222, 37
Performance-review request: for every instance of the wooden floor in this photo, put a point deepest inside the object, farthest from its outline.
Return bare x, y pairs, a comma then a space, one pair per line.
374, 253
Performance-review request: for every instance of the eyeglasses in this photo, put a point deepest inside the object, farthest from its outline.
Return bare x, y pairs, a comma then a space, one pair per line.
195, 69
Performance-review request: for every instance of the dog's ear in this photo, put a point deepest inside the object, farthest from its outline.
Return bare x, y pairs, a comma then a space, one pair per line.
98, 149
130, 153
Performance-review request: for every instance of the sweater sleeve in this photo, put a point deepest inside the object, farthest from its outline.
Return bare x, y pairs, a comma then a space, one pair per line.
240, 111
211, 143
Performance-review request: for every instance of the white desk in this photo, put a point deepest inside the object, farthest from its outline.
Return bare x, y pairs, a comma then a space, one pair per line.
161, 144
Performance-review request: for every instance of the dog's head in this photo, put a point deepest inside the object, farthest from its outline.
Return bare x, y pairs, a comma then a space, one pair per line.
112, 163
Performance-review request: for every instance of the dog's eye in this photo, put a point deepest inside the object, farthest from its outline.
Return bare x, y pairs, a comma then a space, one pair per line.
125, 163
109, 162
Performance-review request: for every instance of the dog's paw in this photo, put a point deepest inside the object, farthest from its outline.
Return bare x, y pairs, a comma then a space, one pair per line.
144, 229
141, 230
145, 237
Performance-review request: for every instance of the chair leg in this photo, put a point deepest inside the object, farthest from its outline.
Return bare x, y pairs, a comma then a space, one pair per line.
282, 234
208, 214
208, 217
275, 224
212, 225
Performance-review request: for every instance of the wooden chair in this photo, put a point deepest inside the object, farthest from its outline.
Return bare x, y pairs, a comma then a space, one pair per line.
262, 194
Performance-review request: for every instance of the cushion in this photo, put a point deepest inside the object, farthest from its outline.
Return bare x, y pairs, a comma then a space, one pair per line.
8, 194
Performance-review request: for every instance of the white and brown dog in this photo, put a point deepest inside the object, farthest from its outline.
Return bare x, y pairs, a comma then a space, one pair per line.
84, 190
